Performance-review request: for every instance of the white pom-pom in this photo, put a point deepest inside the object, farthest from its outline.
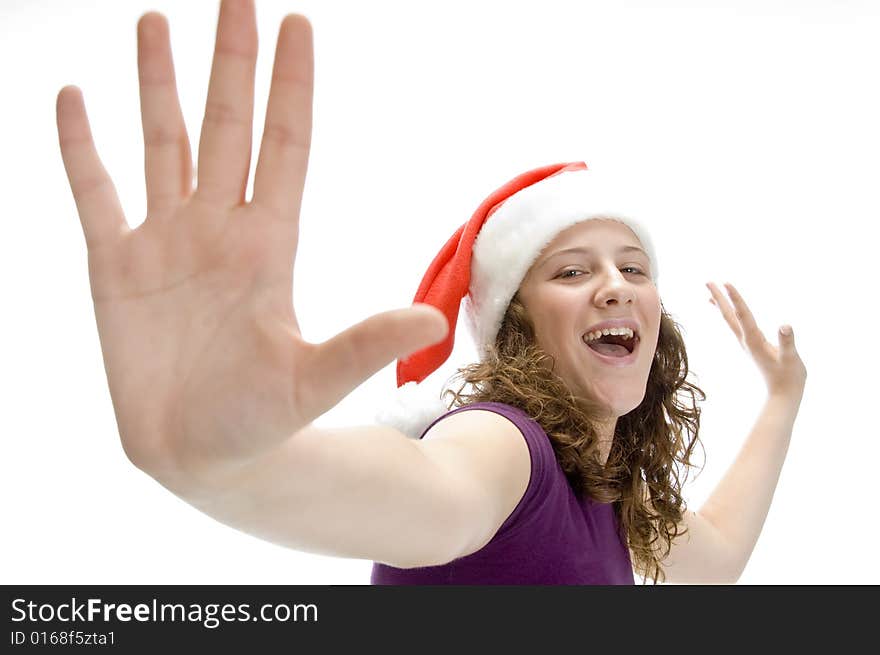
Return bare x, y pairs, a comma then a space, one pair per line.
411, 410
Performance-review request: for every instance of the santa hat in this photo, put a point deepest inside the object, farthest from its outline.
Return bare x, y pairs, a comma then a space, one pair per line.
485, 261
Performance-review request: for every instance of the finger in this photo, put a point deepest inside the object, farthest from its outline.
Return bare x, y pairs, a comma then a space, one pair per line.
726, 309
750, 327
786, 340
225, 141
284, 151
351, 357
167, 155
96, 200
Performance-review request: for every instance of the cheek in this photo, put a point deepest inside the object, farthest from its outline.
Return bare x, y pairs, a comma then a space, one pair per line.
544, 337
652, 315
547, 337
554, 320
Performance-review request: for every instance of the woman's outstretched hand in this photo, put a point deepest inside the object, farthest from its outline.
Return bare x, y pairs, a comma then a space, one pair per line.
781, 366
194, 307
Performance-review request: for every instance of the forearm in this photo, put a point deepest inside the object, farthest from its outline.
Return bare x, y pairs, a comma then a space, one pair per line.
739, 504
337, 492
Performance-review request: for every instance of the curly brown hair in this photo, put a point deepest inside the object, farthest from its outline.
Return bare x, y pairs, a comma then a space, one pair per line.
652, 443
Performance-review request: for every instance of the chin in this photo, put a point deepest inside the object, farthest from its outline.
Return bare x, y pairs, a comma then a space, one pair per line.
621, 406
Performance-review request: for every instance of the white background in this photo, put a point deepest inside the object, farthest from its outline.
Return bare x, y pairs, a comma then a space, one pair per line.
748, 130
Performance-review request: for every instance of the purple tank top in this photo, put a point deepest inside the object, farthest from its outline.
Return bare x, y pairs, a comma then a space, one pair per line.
550, 538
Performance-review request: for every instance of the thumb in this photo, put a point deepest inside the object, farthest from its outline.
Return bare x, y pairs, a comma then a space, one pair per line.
344, 362
786, 339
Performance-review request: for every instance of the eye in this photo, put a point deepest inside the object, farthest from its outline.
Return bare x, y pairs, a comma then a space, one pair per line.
564, 275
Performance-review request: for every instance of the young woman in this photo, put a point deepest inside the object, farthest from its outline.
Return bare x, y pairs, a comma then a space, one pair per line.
215, 391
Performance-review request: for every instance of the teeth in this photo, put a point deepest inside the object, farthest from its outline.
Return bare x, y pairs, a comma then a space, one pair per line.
592, 336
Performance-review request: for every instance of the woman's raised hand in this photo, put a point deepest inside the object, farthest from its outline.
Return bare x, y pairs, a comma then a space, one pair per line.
194, 307
784, 372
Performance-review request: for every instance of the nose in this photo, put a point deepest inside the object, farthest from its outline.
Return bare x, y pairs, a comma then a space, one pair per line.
614, 288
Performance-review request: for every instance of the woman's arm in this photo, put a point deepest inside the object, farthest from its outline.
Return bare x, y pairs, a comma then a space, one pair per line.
723, 533
372, 493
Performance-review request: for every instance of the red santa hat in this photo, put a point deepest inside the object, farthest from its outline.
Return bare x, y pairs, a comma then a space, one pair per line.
484, 263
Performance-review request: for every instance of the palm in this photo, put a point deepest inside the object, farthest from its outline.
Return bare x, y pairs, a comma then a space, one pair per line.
194, 307
783, 370
196, 319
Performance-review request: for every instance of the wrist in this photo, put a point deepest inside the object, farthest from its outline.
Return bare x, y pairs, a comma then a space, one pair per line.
784, 403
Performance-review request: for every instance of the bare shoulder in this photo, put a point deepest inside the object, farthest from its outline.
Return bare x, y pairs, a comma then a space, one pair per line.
487, 456
480, 430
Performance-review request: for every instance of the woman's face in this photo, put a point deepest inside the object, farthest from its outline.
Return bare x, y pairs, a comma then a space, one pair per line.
567, 293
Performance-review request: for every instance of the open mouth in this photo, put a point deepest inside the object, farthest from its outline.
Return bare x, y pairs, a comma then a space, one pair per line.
614, 345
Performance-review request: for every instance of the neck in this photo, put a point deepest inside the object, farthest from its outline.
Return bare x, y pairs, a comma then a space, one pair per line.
606, 438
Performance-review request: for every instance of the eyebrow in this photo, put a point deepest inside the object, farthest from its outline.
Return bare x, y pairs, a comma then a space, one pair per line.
584, 250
